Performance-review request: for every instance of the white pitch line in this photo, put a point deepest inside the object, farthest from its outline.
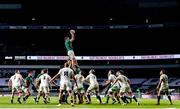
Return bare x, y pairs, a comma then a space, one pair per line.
89, 108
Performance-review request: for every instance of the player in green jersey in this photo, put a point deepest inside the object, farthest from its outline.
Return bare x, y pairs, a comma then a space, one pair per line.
26, 86
69, 48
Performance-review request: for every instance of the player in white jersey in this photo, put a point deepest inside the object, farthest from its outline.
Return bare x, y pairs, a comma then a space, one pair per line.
66, 74
112, 91
44, 86
93, 86
163, 87
125, 86
14, 84
80, 90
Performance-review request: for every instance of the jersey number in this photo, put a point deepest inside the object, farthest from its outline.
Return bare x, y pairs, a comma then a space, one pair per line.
44, 77
66, 73
94, 77
14, 77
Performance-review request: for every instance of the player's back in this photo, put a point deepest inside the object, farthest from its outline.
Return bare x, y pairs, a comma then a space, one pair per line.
28, 80
66, 74
164, 79
92, 79
16, 79
79, 78
112, 78
68, 44
123, 80
45, 79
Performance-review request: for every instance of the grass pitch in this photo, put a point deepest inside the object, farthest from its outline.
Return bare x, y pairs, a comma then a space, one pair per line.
144, 103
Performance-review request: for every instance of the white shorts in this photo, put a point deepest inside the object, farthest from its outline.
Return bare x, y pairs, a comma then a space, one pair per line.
24, 89
114, 88
44, 89
164, 88
16, 88
125, 89
80, 89
71, 54
65, 86
94, 87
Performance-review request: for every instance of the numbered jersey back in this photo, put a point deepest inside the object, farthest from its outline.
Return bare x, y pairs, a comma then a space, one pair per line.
16, 80
66, 74
92, 79
45, 79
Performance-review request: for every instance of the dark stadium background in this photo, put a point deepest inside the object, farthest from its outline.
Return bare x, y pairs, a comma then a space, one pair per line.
91, 12
137, 41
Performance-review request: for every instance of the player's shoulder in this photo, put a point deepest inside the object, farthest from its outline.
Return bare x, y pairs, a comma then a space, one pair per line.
49, 75
93, 75
40, 76
18, 74
65, 68
162, 76
68, 69
112, 75
120, 76
12, 76
88, 75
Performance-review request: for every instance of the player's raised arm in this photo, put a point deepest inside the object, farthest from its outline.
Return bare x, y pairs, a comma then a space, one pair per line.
56, 76
72, 32
86, 80
73, 77
115, 81
107, 83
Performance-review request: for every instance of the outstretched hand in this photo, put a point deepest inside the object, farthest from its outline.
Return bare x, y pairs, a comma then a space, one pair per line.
72, 31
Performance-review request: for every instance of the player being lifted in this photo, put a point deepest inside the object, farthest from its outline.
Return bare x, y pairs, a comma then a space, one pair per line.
125, 86
26, 86
14, 84
163, 87
69, 48
93, 86
114, 90
44, 86
80, 89
66, 74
